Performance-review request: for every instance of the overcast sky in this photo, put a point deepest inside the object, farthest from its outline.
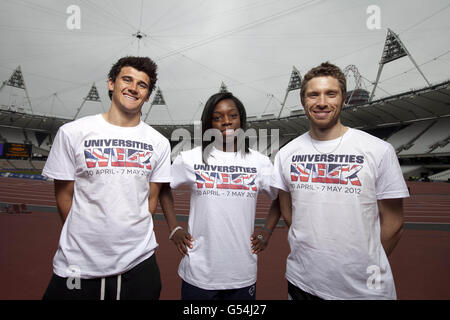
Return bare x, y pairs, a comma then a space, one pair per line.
251, 46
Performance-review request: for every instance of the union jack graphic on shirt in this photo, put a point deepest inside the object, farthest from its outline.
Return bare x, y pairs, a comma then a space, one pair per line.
220, 180
117, 157
326, 173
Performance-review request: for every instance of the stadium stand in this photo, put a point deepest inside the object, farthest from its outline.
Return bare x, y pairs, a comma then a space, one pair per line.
47, 143
5, 165
405, 138
31, 137
411, 170
415, 122
38, 164
441, 176
13, 135
442, 146
44, 142
16, 135
426, 140
385, 133
21, 164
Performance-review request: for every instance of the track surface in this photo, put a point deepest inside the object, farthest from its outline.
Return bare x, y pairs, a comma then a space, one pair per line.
420, 263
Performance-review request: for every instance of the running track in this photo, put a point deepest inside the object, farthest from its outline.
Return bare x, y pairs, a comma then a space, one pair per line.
420, 263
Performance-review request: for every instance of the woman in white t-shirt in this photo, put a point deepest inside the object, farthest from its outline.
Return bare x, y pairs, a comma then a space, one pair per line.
225, 176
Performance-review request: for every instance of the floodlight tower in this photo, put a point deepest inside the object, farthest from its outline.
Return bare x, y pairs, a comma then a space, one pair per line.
295, 83
158, 100
16, 80
394, 49
223, 88
91, 96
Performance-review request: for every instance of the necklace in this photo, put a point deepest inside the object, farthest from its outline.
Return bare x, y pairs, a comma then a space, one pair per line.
332, 151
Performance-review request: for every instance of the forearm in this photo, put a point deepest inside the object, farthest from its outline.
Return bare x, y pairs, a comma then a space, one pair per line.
64, 195
261, 236
64, 206
153, 197
180, 237
391, 223
287, 220
286, 207
390, 237
167, 205
273, 215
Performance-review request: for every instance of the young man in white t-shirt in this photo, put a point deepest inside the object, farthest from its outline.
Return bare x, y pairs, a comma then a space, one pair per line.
341, 193
107, 170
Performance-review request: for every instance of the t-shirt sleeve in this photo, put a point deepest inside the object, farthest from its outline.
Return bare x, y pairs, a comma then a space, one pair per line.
277, 180
390, 183
180, 174
60, 164
266, 178
161, 171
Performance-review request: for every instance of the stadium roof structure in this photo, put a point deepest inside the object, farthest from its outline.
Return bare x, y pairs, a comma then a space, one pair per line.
19, 120
250, 46
412, 106
54, 70
408, 107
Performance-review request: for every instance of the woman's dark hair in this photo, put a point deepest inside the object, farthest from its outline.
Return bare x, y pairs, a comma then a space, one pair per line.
144, 64
207, 116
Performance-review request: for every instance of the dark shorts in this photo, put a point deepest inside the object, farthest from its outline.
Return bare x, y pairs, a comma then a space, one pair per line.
295, 293
190, 292
143, 282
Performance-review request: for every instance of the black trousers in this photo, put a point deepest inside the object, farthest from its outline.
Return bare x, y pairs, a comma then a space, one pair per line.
143, 282
298, 294
190, 292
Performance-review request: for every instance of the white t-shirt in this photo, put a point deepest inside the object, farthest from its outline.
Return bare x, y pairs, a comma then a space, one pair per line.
109, 229
222, 215
335, 241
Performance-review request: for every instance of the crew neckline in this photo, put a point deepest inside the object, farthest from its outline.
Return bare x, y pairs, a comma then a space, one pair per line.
119, 127
344, 136
233, 154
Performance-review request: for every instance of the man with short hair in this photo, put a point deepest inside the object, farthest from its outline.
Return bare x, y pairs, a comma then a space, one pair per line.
341, 193
107, 171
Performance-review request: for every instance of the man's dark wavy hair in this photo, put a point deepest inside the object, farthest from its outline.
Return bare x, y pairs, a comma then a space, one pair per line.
144, 64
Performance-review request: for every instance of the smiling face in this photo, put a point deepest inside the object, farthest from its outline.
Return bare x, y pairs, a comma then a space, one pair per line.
323, 101
226, 118
129, 90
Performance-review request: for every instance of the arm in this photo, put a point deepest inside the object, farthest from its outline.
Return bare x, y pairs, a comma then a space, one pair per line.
181, 238
273, 216
391, 221
286, 206
64, 197
155, 189
164, 194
